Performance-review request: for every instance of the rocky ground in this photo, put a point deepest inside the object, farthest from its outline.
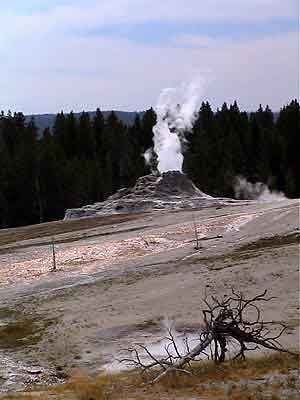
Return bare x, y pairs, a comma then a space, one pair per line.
117, 281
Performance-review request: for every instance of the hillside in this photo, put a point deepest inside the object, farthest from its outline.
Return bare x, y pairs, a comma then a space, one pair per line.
47, 120
127, 117
119, 278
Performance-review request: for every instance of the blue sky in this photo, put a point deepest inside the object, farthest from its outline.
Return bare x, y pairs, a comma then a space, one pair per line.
153, 32
25, 7
76, 54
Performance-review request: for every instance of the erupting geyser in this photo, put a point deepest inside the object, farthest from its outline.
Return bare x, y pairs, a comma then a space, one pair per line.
170, 189
176, 109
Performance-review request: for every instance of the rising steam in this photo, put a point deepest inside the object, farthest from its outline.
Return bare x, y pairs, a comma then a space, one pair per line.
176, 110
246, 190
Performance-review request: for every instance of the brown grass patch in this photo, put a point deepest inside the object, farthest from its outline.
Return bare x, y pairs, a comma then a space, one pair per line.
207, 382
12, 235
86, 388
249, 250
271, 242
20, 330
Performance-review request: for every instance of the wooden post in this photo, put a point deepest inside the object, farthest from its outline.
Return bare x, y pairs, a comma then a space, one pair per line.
53, 256
196, 234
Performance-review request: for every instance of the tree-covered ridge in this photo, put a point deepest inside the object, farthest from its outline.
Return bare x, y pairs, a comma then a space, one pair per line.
83, 160
44, 121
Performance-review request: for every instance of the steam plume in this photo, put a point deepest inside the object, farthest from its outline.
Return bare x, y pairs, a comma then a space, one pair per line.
244, 189
175, 109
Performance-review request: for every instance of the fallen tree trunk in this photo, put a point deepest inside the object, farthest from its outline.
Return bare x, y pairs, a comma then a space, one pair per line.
225, 320
186, 359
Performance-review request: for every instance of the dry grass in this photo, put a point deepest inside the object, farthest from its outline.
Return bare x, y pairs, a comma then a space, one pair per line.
271, 242
247, 251
233, 370
20, 330
86, 388
12, 235
208, 382
28, 396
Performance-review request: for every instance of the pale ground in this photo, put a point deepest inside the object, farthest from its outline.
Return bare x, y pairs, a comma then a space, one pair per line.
116, 284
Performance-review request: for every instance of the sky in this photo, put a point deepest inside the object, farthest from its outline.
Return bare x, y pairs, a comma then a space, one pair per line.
119, 54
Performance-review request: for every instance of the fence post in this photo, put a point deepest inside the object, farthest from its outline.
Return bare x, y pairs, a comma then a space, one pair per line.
196, 233
53, 256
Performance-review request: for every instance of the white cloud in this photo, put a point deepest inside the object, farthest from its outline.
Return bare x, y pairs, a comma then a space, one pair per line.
46, 68
91, 14
89, 72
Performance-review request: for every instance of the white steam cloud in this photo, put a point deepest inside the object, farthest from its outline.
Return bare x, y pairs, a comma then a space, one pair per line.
148, 156
246, 190
176, 111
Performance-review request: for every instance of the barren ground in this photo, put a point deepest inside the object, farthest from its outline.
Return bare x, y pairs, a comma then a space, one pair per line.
120, 277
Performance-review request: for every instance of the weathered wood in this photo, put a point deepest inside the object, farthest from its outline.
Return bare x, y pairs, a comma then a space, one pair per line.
225, 319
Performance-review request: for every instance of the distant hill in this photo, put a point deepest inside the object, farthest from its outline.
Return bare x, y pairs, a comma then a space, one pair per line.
43, 121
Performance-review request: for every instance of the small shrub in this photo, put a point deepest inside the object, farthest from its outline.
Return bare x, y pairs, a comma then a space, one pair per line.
86, 388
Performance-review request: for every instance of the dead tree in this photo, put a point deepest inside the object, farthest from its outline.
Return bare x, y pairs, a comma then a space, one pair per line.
233, 318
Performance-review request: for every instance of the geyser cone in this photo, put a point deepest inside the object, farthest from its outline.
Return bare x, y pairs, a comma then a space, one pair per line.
167, 191
167, 184
175, 183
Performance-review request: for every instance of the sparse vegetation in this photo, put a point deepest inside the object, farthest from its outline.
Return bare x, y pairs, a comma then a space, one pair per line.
271, 242
21, 330
235, 380
247, 251
47, 229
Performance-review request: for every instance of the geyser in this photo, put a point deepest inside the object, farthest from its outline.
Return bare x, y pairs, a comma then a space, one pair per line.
171, 190
176, 109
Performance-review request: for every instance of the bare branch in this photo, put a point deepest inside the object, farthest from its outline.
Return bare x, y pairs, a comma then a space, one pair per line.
226, 320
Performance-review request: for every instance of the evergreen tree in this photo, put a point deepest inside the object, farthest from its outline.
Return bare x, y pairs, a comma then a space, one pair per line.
135, 150
112, 152
23, 191
83, 161
288, 130
51, 178
98, 127
59, 131
146, 137
72, 143
86, 137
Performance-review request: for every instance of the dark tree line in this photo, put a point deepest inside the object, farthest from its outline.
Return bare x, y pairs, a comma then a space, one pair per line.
258, 146
81, 161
